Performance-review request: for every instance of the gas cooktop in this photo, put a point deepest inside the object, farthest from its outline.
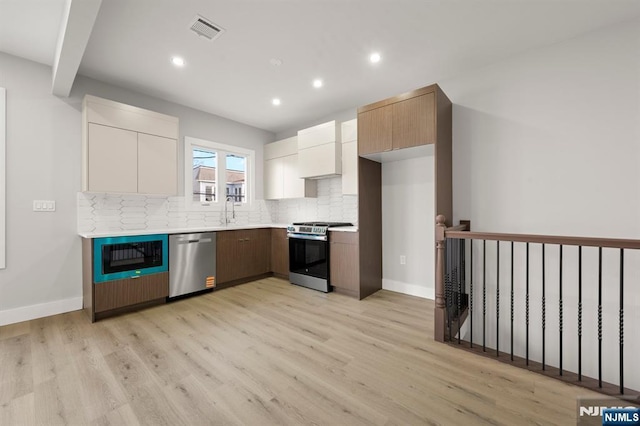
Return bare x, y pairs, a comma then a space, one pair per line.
314, 228
325, 224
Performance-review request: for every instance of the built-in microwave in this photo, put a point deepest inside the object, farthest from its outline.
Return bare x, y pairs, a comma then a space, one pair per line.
116, 258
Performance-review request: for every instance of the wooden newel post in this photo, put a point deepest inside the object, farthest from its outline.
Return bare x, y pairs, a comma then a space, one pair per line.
439, 324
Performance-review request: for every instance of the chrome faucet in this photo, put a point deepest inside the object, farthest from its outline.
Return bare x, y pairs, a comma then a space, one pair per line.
233, 210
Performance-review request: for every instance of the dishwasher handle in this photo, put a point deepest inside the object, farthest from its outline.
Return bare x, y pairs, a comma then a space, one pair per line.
194, 241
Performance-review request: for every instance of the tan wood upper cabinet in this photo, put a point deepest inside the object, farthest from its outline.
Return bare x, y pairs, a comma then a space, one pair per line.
404, 121
127, 149
414, 122
374, 130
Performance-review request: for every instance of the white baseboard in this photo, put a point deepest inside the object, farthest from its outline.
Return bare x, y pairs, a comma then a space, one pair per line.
26, 313
410, 289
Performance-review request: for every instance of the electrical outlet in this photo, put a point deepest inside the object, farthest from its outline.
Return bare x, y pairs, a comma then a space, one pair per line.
44, 206
403, 259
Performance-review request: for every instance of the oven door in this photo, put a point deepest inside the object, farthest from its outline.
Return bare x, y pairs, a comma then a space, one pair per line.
309, 255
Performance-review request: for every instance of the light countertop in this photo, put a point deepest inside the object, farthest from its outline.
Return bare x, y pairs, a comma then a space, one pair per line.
230, 227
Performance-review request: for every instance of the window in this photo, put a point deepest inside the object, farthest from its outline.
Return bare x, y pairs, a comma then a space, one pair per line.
218, 173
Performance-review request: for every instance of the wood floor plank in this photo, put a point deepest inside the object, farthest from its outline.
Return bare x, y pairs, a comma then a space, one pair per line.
267, 353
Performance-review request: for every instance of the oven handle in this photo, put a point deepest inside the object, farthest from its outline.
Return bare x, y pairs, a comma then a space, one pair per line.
306, 236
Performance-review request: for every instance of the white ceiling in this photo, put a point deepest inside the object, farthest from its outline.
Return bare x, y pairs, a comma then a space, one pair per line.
421, 42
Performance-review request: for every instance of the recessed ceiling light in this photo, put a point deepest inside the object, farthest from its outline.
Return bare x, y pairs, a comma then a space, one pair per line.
276, 62
276, 101
375, 58
177, 61
317, 83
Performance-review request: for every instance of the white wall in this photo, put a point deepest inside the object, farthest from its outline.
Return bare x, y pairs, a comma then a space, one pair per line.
408, 225
43, 274
548, 142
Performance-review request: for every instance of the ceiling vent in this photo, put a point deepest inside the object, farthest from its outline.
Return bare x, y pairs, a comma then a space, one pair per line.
205, 28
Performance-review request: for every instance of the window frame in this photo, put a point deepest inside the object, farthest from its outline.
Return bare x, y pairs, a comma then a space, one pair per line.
221, 169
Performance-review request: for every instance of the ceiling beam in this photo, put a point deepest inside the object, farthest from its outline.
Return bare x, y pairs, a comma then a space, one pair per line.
75, 30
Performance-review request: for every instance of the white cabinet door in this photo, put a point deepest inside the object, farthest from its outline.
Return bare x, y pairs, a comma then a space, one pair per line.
157, 165
320, 161
318, 135
350, 130
273, 178
350, 168
112, 159
294, 186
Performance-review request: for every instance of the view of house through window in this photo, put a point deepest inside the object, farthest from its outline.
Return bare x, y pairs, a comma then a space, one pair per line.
236, 178
208, 184
204, 175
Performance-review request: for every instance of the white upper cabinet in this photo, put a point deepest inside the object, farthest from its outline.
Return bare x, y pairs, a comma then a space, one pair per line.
319, 151
350, 157
281, 178
112, 159
127, 149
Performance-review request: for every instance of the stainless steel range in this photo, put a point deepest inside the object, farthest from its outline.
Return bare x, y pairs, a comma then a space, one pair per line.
309, 254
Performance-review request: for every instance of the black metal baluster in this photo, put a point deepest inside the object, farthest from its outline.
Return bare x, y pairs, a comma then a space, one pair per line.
560, 310
580, 313
460, 280
471, 295
512, 297
527, 308
544, 308
447, 285
484, 295
497, 298
600, 316
621, 321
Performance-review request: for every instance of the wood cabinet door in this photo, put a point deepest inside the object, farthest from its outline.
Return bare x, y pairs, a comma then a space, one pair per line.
375, 130
414, 121
228, 256
130, 291
112, 159
157, 165
344, 262
279, 252
256, 248
273, 179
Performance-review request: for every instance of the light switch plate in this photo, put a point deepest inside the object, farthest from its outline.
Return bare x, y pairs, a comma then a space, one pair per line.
44, 206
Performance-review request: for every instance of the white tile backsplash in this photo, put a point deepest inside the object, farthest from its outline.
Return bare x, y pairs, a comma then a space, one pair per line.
330, 205
99, 212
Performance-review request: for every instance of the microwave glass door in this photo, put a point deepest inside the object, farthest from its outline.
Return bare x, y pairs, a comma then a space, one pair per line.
131, 256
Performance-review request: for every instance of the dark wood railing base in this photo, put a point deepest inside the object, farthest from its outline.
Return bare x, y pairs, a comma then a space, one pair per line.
568, 377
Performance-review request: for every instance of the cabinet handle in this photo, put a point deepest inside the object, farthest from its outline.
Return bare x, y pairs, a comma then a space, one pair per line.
240, 240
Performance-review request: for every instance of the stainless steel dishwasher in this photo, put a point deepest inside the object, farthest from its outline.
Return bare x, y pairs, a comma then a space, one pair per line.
192, 263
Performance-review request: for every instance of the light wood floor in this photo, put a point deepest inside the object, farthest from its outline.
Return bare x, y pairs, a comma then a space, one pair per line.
264, 353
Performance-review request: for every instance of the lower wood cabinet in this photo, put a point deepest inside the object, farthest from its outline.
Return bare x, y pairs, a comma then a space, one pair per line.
242, 254
344, 266
279, 253
116, 294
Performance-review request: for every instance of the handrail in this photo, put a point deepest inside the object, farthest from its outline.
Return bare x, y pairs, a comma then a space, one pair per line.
546, 239
462, 227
